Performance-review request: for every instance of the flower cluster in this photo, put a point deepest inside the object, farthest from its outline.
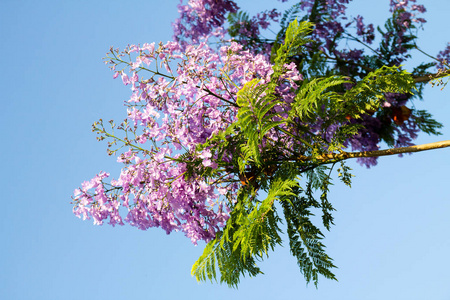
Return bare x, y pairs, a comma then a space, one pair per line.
444, 58
366, 32
171, 113
200, 18
408, 12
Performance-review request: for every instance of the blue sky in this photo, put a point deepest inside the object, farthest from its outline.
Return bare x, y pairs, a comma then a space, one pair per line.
391, 236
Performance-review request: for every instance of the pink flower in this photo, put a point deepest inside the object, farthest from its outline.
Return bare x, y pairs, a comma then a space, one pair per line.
125, 79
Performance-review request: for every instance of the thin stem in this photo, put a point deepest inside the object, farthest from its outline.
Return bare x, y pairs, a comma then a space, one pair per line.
361, 42
430, 56
125, 142
220, 97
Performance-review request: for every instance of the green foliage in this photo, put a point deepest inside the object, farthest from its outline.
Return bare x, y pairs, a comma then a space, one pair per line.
389, 45
314, 94
426, 123
297, 177
319, 179
344, 174
288, 17
296, 36
305, 239
250, 233
368, 93
255, 118
219, 254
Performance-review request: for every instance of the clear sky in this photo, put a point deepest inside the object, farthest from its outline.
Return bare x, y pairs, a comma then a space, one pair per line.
391, 239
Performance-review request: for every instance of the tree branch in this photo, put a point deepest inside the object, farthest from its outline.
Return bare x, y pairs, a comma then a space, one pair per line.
430, 77
333, 157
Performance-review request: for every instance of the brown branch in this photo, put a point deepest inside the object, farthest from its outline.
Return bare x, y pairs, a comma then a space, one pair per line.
333, 157
426, 78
